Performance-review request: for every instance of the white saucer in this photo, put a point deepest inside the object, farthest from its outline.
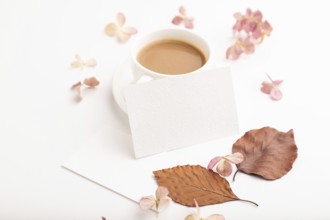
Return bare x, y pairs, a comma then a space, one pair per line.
122, 77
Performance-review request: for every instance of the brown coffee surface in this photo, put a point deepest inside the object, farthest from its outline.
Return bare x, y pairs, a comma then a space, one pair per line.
171, 57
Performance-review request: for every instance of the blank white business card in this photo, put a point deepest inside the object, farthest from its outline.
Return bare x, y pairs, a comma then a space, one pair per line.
181, 111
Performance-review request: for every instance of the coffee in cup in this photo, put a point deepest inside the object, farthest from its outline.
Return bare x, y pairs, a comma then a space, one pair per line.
171, 56
167, 53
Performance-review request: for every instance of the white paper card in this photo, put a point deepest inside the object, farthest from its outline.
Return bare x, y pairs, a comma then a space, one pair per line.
181, 111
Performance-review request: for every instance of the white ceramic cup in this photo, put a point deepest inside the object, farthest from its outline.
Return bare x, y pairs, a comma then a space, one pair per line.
143, 74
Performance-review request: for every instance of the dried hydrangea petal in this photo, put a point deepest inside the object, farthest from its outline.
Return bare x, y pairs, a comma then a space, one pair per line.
121, 19
111, 29
276, 94
147, 202
177, 20
272, 88
118, 29
224, 164
215, 217
224, 168
160, 202
254, 30
77, 88
80, 63
91, 82
161, 192
197, 216
91, 63
183, 18
213, 162
235, 158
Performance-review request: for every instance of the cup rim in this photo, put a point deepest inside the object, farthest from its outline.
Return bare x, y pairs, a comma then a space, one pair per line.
133, 52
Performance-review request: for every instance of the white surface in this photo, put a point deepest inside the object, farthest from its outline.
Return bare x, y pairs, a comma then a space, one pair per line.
41, 126
177, 112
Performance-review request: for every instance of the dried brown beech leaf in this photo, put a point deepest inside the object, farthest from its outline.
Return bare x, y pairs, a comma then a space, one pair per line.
189, 182
91, 82
267, 152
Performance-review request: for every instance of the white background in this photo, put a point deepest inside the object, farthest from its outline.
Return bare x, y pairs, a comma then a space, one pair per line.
41, 125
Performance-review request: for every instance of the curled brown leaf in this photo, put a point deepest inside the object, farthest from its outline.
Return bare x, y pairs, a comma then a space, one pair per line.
268, 152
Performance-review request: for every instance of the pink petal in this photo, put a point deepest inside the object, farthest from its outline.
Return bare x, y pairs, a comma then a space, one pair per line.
235, 158
111, 29
237, 27
213, 162
76, 85
257, 15
188, 23
177, 20
251, 27
215, 217
267, 28
147, 202
248, 12
129, 30
248, 46
122, 37
266, 87
276, 94
182, 11
224, 168
234, 52
161, 192
121, 19
277, 82
238, 16
257, 33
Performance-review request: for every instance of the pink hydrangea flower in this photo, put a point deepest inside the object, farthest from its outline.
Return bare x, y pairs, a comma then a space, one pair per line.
160, 202
197, 216
224, 164
240, 46
118, 30
250, 30
183, 18
251, 23
272, 88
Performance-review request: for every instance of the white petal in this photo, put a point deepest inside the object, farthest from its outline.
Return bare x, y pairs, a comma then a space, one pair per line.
91, 63
191, 217
161, 192
235, 158
215, 217
224, 168
163, 204
147, 202
121, 19
111, 29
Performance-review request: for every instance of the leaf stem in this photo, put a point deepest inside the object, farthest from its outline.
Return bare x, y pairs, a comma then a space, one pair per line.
235, 175
269, 77
244, 200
